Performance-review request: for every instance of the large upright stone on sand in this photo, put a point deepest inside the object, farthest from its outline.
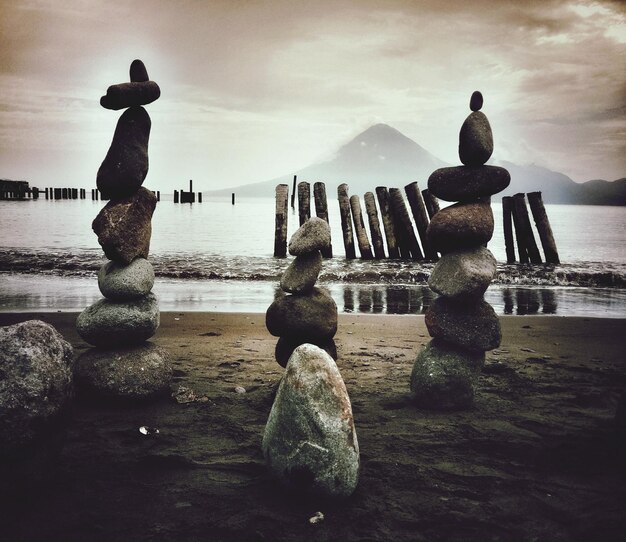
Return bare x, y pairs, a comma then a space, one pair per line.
313, 235
310, 442
124, 226
463, 225
130, 95
133, 373
125, 166
467, 183
36, 366
466, 273
302, 273
110, 324
474, 325
475, 140
120, 282
308, 318
442, 376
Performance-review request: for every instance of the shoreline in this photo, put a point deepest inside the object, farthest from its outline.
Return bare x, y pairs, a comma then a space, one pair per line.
537, 457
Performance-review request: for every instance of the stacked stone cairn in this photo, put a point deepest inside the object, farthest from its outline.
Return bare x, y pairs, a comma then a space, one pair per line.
301, 312
123, 365
463, 325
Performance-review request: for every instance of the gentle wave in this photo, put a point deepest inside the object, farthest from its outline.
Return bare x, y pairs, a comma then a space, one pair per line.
336, 270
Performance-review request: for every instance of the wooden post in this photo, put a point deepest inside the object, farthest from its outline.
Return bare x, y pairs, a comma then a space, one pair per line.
523, 222
293, 192
199, 197
359, 228
372, 218
418, 209
175, 196
158, 195
405, 232
232, 199
321, 211
520, 239
346, 225
74, 193
280, 230
46, 193
507, 226
35, 192
382, 195
543, 227
58, 193
431, 203
304, 202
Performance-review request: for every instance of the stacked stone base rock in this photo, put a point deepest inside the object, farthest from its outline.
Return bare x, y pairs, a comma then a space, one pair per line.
463, 325
123, 365
301, 312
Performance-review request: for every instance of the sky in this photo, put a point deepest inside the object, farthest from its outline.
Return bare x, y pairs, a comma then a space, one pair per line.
251, 91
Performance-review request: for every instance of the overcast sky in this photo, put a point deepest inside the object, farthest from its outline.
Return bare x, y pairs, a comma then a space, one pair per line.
254, 90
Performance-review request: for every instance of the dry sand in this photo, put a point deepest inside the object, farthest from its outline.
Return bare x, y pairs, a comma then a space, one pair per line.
537, 458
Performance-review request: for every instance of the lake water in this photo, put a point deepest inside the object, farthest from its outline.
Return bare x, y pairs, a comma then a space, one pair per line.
218, 256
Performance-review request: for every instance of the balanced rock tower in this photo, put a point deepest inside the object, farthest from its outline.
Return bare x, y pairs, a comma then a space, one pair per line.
123, 365
463, 325
301, 312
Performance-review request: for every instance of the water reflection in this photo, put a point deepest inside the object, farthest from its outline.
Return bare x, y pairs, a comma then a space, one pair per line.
523, 301
387, 299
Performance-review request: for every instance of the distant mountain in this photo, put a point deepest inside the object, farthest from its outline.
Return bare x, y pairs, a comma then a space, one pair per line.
381, 155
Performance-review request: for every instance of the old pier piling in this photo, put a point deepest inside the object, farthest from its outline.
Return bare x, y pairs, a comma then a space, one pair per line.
346, 225
359, 228
507, 226
321, 211
420, 215
522, 222
543, 227
382, 194
280, 229
304, 202
409, 247
372, 218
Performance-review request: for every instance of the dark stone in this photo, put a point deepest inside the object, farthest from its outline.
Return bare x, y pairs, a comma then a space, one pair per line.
476, 101
466, 183
475, 140
466, 273
302, 273
461, 226
124, 226
473, 325
108, 324
310, 318
310, 442
138, 72
135, 373
125, 95
443, 376
285, 347
125, 166
313, 235
120, 282
36, 366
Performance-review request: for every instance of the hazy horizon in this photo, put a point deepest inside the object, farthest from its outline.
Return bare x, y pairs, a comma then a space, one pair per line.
253, 91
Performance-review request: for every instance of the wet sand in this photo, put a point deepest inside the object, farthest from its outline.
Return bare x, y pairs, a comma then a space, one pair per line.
537, 458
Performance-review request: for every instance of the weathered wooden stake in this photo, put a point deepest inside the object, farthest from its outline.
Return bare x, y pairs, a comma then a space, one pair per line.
431, 203
280, 230
405, 232
321, 211
175, 196
543, 227
199, 197
507, 226
521, 212
382, 195
372, 218
232, 199
158, 195
47, 193
346, 220
420, 215
304, 202
293, 193
359, 228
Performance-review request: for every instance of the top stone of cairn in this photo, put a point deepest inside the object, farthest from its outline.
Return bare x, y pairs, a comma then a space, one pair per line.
313, 235
476, 101
140, 90
138, 72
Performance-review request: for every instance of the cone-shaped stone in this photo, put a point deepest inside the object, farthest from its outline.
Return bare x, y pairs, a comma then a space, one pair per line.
313, 235
120, 282
310, 442
135, 94
460, 226
471, 325
466, 273
475, 140
285, 347
126, 164
302, 273
124, 226
466, 183
138, 72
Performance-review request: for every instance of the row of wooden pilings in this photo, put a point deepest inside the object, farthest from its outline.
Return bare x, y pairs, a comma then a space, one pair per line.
66, 193
400, 237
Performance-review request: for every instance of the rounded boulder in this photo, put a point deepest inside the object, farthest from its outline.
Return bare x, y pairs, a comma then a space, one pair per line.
468, 183
313, 235
119, 282
301, 275
460, 226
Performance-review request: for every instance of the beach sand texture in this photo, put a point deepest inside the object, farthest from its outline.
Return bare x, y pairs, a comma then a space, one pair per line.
537, 458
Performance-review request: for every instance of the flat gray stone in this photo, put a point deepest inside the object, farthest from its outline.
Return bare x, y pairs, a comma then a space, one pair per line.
472, 325
461, 226
285, 347
303, 318
443, 377
110, 324
468, 183
135, 373
132, 94
124, 226
301, 275
310, 442
119, 282
475, 140
466, 273
313, 235
36, 383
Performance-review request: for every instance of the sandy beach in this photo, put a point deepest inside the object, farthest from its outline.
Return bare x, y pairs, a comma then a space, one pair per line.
537, 458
